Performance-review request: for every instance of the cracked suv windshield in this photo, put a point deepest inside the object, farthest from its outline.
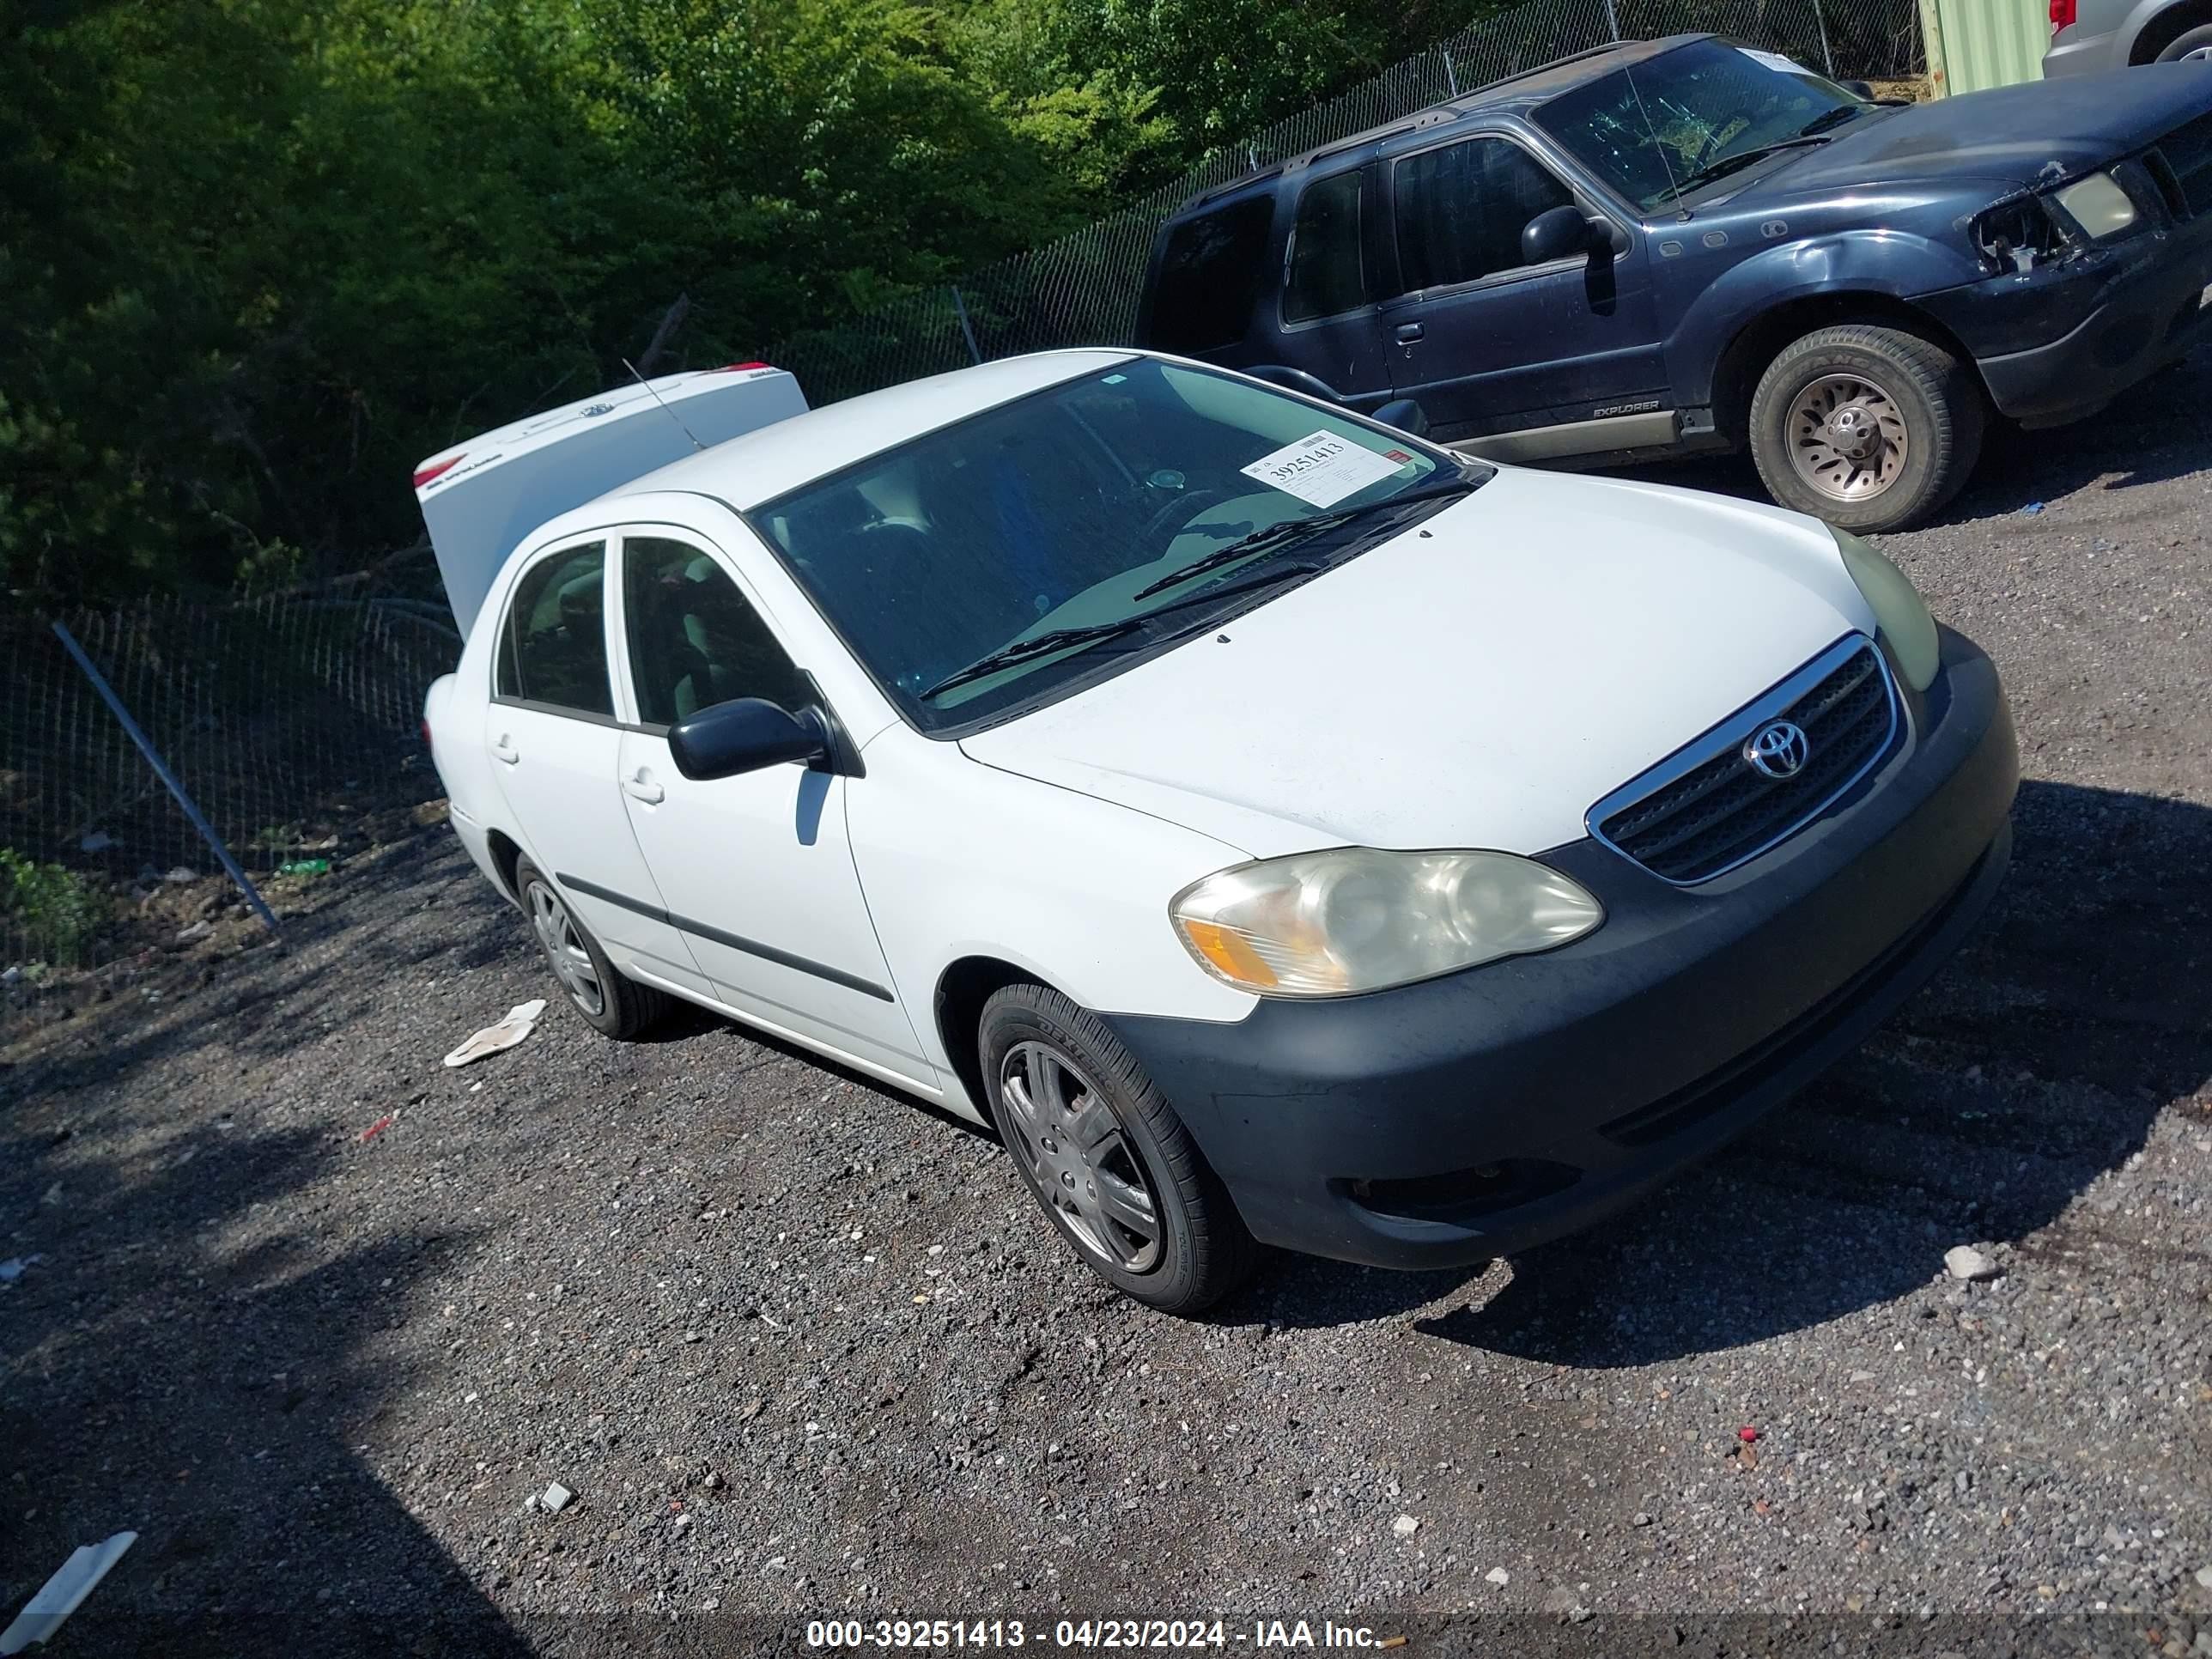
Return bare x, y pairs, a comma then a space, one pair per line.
1692, 117
983, 564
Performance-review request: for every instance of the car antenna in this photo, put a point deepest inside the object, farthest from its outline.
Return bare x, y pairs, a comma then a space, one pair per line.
1657, 143
665, 409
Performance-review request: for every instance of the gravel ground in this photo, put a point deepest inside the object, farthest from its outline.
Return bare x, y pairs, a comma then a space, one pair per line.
801, 1347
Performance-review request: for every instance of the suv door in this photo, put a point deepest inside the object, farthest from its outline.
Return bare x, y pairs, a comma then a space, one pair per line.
1327, 324
1205, 279
550, 726
1488, 345
755, 870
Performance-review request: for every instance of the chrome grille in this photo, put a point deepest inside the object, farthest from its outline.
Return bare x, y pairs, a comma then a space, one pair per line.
1706, 811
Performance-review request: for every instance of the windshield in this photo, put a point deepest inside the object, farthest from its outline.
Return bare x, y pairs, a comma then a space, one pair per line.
1650, 132
1074, 512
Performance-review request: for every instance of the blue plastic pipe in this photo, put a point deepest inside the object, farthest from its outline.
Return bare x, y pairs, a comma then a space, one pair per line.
161, 771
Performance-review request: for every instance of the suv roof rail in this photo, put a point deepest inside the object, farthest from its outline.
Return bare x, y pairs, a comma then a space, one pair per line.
1426, 114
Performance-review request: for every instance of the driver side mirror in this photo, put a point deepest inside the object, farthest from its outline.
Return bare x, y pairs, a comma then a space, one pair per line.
1858, 89
744, 735
1561, 232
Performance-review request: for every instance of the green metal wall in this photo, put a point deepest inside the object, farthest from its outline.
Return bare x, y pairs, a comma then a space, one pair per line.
1974, 44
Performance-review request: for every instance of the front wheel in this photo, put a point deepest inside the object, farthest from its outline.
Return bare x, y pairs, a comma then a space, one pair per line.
1869, 428
1103, 1152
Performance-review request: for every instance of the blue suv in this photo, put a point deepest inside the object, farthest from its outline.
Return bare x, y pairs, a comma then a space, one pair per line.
1682, 245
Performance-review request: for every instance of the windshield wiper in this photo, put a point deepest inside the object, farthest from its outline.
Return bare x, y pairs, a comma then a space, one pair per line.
1060, 639
1293, 530
1742, 159
1037, 645
1830, 118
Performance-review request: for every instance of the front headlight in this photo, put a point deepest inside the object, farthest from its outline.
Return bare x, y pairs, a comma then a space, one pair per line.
2099, 205
1899, 609
1353, 919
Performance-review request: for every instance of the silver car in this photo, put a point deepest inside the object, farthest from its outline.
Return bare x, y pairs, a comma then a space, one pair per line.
2111, 34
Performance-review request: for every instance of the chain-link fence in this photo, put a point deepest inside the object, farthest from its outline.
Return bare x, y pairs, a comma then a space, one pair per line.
1083, 289
291, 721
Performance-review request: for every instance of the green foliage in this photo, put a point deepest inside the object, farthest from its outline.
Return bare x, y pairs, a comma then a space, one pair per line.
262, 256
54, 915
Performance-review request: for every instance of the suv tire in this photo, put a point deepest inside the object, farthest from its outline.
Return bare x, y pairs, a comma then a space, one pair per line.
1104, 1154
1867, 427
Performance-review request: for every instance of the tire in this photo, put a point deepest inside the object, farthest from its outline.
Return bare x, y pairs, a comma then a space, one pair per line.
1861, 385
1197, 1250
2188, 44
590, 984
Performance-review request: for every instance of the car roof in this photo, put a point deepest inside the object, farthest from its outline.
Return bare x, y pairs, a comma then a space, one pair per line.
761, 465
1516, 93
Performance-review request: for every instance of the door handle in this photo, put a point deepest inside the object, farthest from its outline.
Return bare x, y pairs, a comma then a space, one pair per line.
642, 787
504, 750
1408, 332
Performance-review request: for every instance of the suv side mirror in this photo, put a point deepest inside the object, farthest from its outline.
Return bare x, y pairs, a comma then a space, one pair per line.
1858, 89
744, 735
1560, 233
1405, 415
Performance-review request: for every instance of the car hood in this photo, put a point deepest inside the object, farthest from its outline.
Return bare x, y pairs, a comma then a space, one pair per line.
2045, 131
1478, 682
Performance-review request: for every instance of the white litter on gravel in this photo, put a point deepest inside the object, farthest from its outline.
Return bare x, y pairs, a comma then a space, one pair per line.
60, 1595
1498, 1576
556, 1498
1405, 1525
496, 1039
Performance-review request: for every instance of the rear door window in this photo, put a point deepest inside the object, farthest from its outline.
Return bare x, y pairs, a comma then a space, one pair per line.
694, 639
1328, 266
1461, 209
553, 649
1209, 275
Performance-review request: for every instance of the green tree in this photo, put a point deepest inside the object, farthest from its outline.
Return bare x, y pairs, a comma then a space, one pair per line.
262, 256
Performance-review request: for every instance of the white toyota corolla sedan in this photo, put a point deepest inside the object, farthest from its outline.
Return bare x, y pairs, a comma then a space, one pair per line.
1276, 827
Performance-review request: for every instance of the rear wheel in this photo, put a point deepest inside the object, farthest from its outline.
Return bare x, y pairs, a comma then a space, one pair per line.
1869, 428
2193, 44
1103, 1152
610, 1004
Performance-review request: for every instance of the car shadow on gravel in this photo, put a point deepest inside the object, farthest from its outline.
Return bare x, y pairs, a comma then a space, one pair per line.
1984, 1111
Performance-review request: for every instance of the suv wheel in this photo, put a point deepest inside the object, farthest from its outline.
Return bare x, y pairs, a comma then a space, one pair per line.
1869, 428
610, 1004
1101, 1150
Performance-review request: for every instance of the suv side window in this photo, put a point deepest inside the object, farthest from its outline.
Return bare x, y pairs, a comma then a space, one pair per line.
553, 649
1461, 208
1328, 265
694, 641
1209, 275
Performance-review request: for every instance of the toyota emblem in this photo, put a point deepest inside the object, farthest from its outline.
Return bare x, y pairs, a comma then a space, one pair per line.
1777, 749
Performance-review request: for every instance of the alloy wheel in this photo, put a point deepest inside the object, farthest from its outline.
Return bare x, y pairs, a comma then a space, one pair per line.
1082, 1161
1847, 437
564, 948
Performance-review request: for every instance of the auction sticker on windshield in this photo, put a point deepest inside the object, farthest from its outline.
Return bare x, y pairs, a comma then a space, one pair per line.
1322, 468
1774, 60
